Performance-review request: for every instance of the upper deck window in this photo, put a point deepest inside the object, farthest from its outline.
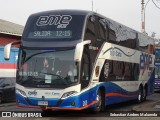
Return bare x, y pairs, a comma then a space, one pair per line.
54, 28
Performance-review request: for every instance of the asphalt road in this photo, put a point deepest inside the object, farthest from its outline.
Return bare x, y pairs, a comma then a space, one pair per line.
117, 108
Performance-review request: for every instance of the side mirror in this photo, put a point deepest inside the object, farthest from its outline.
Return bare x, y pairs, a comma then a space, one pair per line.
79, 50
7, 50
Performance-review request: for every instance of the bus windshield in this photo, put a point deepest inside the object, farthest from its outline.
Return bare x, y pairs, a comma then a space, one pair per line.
54, 28
49, 68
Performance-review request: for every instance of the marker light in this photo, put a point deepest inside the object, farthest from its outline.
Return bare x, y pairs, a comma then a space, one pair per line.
21, 92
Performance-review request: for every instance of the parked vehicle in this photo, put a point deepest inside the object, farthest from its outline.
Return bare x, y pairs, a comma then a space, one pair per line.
7, 75
7, 89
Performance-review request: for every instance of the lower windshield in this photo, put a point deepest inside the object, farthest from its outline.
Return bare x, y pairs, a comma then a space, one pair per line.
46, 68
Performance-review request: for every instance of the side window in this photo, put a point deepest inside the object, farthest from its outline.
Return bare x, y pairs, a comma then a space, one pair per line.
107, 72
136, 71
85, 72
101, 31
111, 33
118, 69
127, 71
102, 28
150, 49
90, 33
112, 37
85, 68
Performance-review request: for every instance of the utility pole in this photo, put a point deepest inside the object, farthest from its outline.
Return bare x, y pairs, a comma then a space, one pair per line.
142, 17
92, 5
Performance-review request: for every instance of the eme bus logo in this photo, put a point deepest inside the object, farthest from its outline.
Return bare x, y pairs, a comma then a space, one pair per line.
61, 21
32, 93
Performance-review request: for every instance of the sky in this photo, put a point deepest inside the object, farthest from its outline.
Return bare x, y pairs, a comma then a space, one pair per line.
127, 12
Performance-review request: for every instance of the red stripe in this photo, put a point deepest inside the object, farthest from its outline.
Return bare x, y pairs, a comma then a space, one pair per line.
57, 108
116, 95
8, 66
38, 107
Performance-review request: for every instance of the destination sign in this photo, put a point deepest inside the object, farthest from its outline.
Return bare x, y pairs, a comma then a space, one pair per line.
50, 34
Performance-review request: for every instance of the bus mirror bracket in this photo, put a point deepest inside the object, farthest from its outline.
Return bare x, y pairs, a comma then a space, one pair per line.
79, 50
7, 50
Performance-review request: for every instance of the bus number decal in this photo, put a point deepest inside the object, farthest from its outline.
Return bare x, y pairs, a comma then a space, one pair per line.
61, 21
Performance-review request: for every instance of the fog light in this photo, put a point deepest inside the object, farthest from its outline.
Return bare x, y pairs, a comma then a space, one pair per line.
73, 103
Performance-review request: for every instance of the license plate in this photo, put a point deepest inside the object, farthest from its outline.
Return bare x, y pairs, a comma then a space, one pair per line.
42, 102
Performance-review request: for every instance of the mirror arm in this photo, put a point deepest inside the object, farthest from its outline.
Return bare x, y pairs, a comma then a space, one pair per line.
79, 50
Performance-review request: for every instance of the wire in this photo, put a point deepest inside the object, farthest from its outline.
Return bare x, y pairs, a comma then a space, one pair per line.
155, 4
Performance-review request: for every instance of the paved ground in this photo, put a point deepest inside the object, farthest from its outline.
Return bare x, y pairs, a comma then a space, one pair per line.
152, 105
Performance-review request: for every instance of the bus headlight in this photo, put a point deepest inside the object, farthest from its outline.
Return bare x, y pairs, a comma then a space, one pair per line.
68, 94
21, 92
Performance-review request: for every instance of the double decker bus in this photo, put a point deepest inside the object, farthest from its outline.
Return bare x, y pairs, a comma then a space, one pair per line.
75, 60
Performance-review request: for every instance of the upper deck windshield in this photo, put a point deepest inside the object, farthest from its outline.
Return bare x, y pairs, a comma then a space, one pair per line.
46, 68
54, 28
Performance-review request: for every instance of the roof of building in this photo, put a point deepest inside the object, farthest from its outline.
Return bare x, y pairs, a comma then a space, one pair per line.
7, 27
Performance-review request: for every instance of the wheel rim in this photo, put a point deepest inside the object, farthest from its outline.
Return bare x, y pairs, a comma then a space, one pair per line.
99, 102
139, 97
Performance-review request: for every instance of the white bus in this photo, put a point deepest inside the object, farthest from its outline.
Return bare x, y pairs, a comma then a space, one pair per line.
75, 60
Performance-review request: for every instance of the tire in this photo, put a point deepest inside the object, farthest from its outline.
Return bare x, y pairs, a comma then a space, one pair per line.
140, 95
0, 98
100, 105
144, 93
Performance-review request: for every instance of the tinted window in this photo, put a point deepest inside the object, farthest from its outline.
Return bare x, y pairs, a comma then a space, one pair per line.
119, 71
85, 69
50, 68
90, 33
102, 28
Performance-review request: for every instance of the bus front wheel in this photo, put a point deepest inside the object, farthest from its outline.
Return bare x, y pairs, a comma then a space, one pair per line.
100, 105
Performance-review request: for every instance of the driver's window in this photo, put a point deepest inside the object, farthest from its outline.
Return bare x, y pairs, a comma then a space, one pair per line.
85, 68
85, 73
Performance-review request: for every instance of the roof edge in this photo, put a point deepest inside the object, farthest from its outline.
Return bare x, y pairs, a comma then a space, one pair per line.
8, 33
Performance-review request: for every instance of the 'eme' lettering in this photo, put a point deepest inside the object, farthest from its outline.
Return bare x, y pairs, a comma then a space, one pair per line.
61, 20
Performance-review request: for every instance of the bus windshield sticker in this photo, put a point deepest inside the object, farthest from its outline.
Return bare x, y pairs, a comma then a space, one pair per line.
48, 78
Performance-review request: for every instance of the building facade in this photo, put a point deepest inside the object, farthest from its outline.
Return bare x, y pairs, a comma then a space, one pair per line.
9, 32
